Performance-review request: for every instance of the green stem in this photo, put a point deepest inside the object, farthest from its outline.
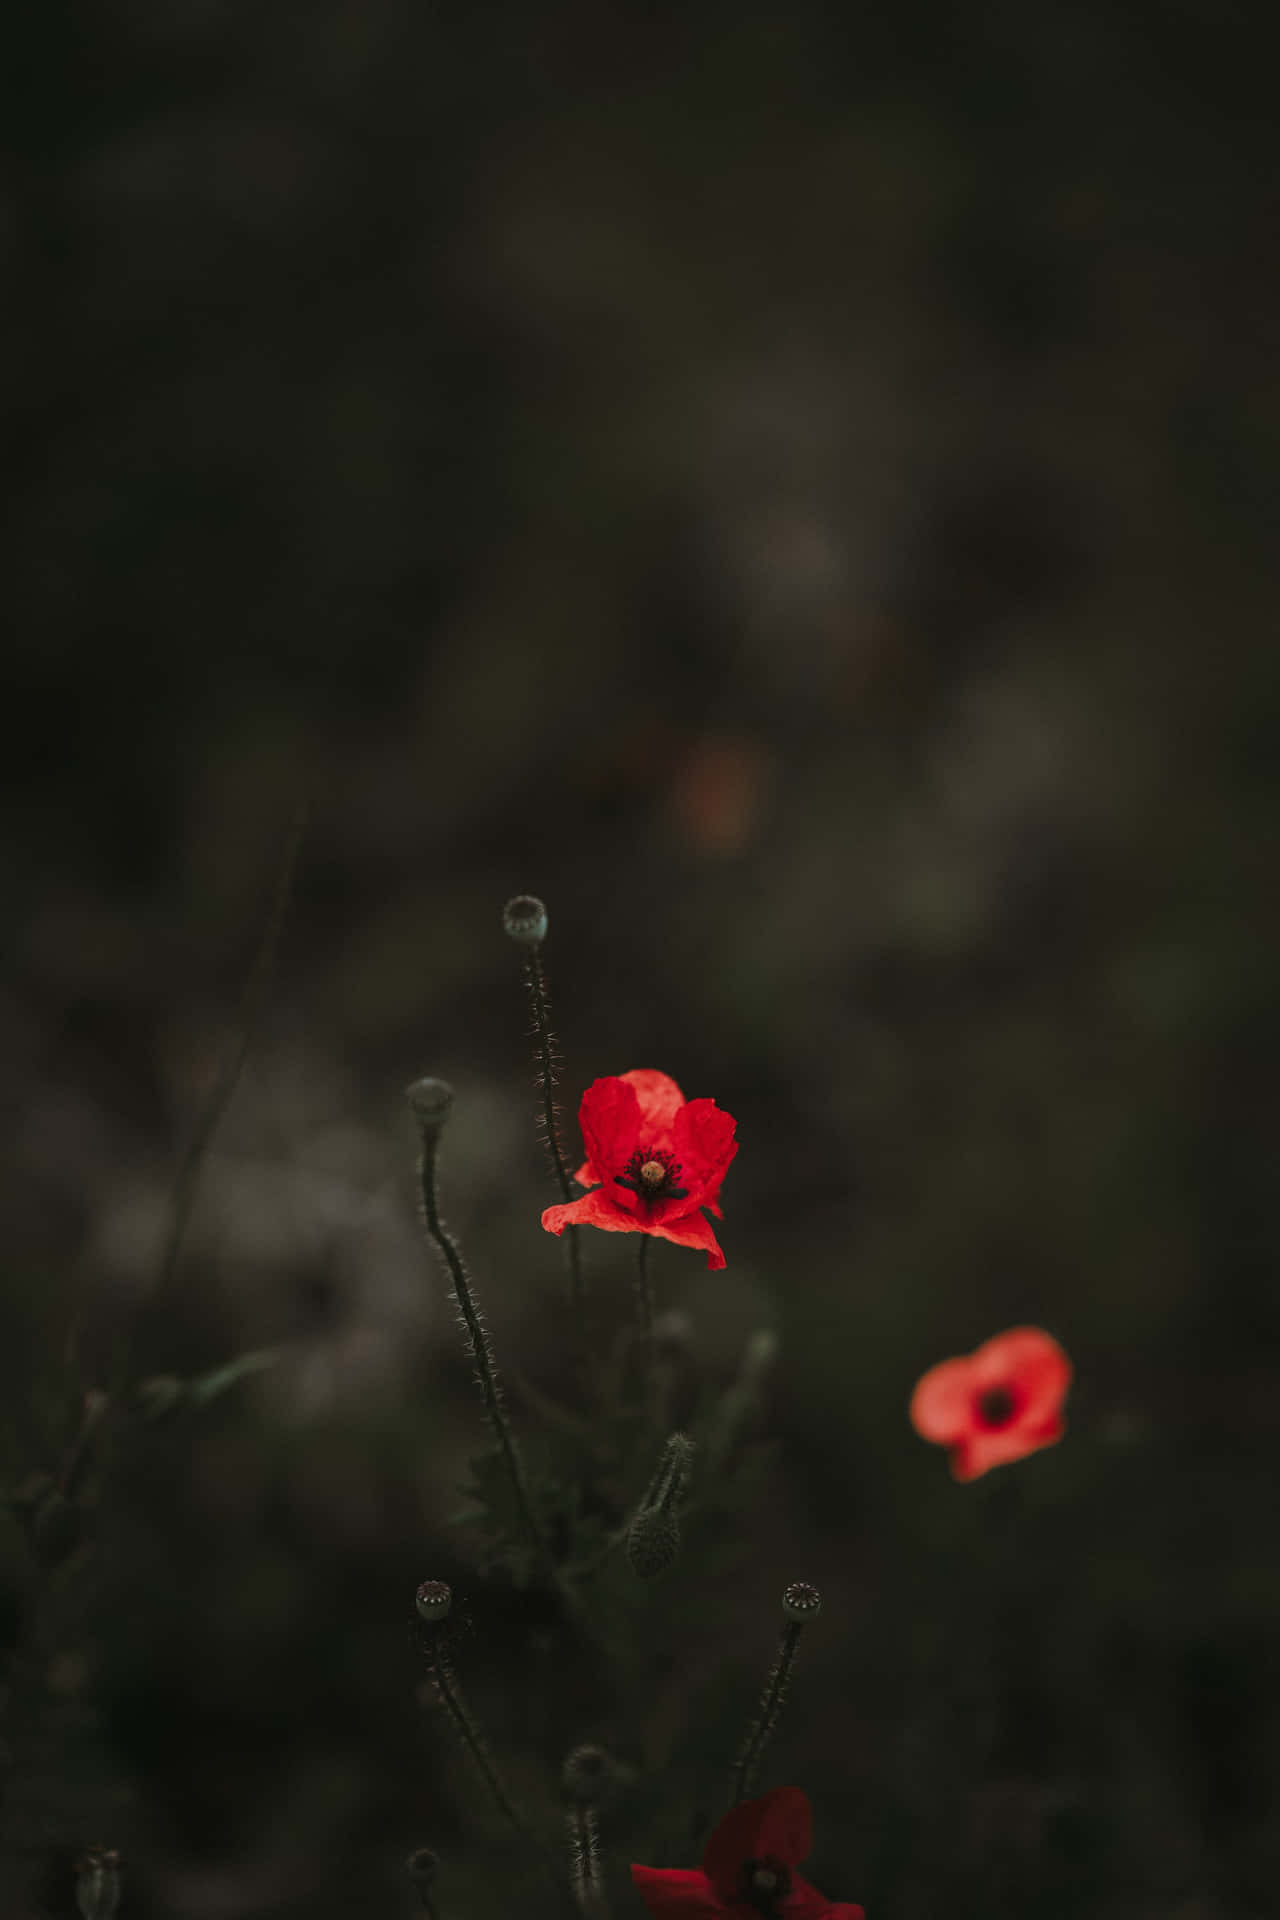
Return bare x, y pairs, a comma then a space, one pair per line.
481, 1352
446, 1686
584, 1843
767, 1714
644, 1292
536, 980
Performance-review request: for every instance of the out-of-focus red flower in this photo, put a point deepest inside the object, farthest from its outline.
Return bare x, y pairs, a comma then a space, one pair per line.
654, 1160
997, 1404
748, 1871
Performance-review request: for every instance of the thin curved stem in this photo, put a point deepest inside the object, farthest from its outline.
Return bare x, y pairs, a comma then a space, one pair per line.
540, 999
481, 1352
767, 1714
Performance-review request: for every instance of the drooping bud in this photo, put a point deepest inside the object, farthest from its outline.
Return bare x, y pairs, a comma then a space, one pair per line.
431, 1100
158, 1395
670, 1482
801, 1602
588, 1776
524, 920
98, 1884
433, 1600
422, 1867
653, 1538
653, 1543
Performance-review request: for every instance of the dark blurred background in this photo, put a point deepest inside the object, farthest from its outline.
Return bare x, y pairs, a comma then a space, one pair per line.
791, 486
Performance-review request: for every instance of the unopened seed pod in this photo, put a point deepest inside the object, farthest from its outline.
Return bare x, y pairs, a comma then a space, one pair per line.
653, 1543
801, 1602
433, 1600
524, 920
431, 1100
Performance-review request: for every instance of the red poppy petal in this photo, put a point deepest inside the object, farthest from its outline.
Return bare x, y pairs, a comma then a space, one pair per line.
675, 1890
804, 1902
979, 1452
595, 1209
846, 1910
779, 1823
704, 1146
660, 1101
690, 1230
610, 1120
1030, 1359
586, 1175
942, 1405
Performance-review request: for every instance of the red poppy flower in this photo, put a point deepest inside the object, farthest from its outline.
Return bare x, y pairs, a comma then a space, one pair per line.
748, 1869
654, 1160
997, 1404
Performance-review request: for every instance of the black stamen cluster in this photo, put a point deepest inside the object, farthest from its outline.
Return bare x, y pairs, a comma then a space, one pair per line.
765, 1885
669, 1189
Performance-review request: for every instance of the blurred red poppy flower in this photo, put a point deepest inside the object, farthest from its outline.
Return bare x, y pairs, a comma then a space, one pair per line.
748, 1870
997, 1404
654, 1160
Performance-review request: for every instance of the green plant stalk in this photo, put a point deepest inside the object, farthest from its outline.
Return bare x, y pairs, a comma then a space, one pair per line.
480, 1350
446, 1686
766, 1719
584, 1842
536, 980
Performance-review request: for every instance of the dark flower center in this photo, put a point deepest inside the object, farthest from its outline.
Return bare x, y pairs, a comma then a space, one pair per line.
653, 1174
765, 1885
997, 1407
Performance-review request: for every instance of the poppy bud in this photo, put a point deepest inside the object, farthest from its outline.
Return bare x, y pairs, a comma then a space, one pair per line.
801, 1602
653, 1542
431, 1100
158, 1395
586, 1776
98, 1884
433, 1600
524, 920
422, 1866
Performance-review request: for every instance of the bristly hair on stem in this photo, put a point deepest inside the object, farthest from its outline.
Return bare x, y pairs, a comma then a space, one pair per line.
449, 1694
431, 1100
584, 1853
525, 920
800, 1603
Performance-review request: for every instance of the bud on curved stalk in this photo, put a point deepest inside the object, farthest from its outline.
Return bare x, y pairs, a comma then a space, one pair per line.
653, 1538
800, 1604
524, 920
590, 1776
431, 1101
422, 1867
157, 1396
98, 1884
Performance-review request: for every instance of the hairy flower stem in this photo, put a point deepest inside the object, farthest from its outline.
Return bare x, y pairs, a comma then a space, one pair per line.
650, 1386
644, 1292
445, 1683
481, 1352
540, 999
775, 1691
584, 1846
